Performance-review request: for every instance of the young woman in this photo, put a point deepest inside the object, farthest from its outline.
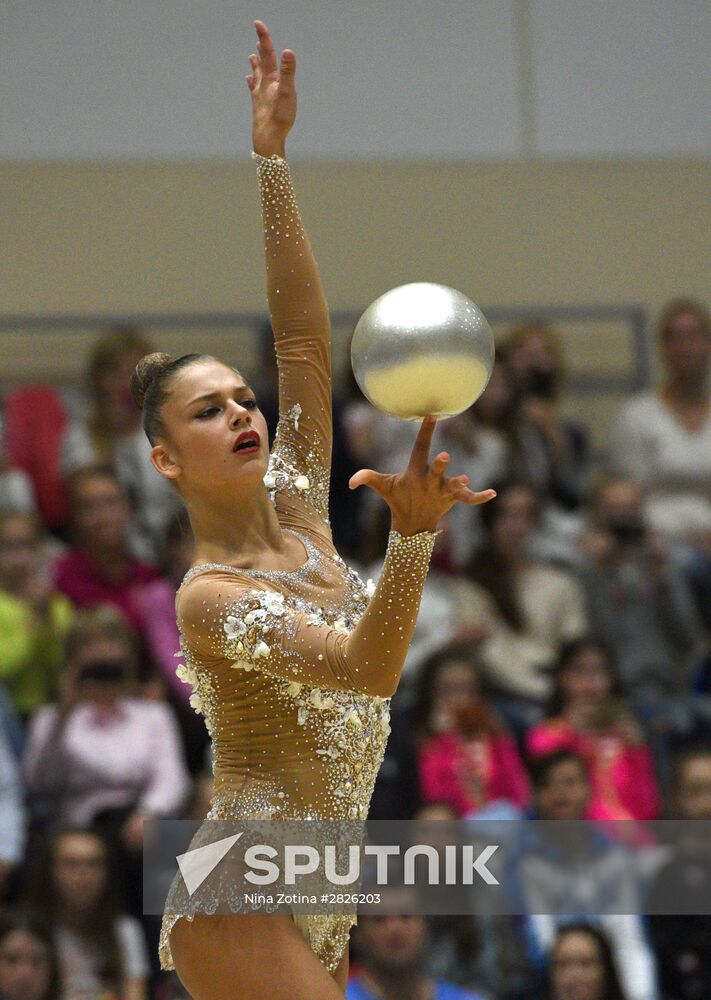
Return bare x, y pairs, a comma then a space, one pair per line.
291, 664
102, 952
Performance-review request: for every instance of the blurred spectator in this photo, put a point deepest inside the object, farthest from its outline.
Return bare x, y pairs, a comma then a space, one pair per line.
29, 967
101, 757
582, 966
662, 439
528, 609
34, 616
392, 952
102, 952
466, 757
573, 870
100, 568
636, 596
681, 942
12, 814
555, 457
113, 433
589, 715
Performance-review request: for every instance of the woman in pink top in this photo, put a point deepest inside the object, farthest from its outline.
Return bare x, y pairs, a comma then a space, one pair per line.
466, 758
589, 715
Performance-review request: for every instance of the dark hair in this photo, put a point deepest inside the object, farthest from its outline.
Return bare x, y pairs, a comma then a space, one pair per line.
460, 650
677, 307
33, 922
612, 986
568, 653
487, 568
539, 768
99, 924
149, 386
96, 470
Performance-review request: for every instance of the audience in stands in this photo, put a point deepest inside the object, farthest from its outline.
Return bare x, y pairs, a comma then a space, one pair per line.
87, 660
467, 759
111, 432
29, 966
34, 615
589, 715
102, 951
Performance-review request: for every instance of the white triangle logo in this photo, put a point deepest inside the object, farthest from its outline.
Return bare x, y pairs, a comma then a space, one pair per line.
197, 864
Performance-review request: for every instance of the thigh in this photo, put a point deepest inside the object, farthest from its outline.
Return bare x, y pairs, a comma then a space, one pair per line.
250, 957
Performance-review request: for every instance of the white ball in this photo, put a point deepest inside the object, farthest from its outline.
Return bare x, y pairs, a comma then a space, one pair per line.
422, 348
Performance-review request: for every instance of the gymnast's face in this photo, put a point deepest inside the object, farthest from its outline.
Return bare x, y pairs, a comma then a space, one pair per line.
209, 409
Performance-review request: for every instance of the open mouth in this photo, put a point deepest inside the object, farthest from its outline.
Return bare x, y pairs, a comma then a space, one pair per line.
247, 443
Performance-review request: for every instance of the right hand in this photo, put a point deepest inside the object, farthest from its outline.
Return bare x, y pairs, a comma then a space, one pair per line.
422, 494
271, 85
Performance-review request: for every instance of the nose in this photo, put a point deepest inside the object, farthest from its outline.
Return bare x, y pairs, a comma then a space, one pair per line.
239, 414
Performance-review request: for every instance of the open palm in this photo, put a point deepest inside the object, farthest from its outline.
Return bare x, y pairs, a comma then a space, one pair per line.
273, 92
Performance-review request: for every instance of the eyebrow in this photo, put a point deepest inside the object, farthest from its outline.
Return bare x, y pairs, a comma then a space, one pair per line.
216, 393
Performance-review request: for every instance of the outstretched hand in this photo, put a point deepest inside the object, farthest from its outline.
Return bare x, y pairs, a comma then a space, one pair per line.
273, 94
422, 494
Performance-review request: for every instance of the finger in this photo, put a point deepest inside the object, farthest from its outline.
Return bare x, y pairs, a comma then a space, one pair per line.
465, 495
421, 447
439, 463
266, 48
366, 477
250, 82
287, 70
256, 68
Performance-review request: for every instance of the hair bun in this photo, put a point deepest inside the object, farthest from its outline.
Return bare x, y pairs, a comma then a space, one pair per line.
148, 369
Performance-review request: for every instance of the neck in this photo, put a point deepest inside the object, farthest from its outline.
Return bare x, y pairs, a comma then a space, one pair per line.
239, 536
687, 388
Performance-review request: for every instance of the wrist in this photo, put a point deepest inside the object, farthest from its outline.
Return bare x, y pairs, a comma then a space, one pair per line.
405, 529
267, 145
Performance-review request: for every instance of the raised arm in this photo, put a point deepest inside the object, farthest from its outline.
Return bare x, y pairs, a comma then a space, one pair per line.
297, 303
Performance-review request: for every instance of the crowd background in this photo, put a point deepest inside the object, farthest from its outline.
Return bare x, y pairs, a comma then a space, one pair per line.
560, 669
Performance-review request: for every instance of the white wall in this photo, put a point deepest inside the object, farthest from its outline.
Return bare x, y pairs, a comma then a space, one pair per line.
378, 78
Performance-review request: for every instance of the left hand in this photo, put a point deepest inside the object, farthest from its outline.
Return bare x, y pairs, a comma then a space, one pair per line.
273, 95
132, 831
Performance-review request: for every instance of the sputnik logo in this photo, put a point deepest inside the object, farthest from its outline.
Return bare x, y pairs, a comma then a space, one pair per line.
196, 865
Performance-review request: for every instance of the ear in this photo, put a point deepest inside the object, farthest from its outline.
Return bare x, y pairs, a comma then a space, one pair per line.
164, 462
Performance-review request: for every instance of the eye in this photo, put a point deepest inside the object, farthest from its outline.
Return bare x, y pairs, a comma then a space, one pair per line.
250, 404
206, 414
